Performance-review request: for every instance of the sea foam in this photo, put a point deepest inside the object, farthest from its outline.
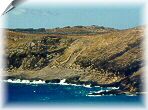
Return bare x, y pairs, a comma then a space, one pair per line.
24, 81
62, 82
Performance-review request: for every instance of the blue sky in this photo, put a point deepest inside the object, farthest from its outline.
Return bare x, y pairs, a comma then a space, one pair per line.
31, 16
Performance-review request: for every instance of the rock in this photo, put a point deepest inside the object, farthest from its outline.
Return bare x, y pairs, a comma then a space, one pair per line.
72, 80
47, 81
53, 81
133, 84
76, 80
32, 44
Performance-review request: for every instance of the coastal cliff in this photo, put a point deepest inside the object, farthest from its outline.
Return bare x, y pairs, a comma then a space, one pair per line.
80, 54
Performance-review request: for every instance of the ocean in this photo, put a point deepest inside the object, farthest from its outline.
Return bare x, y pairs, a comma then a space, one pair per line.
27, 93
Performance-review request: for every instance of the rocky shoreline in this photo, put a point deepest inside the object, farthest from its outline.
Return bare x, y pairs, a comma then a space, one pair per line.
109, 59
113, 90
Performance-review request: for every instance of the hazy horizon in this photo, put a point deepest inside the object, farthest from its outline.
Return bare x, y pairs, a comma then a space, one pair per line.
71, 27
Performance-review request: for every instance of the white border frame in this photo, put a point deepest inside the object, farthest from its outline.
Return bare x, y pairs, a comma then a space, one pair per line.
3, 5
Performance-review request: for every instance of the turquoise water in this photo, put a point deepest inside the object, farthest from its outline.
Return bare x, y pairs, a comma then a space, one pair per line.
63, 94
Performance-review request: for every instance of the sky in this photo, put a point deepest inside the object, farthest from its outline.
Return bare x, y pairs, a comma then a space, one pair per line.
52, 16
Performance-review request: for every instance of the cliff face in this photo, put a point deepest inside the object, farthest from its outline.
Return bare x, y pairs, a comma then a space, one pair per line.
107, 56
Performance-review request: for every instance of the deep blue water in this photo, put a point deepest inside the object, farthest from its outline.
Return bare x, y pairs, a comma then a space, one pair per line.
63, 94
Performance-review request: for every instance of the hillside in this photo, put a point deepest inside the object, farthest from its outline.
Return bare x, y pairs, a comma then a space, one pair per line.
104, 56
75, 30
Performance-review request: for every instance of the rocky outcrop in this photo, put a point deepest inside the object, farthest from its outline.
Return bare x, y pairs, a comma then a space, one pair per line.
53, 81
36, 54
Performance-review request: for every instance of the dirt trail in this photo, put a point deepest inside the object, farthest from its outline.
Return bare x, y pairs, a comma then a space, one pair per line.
75, 51
73, 57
